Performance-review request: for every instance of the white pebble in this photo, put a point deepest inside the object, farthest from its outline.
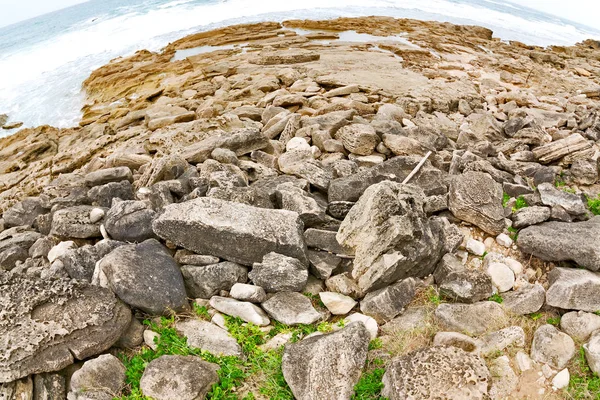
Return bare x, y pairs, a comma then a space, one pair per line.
369, 323
502, 277
60, 249
516, 266
149, 339
475, 247
504, 240
96, 215
297, 143
561, 380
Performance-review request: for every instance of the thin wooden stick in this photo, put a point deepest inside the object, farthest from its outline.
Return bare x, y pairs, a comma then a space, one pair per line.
417, 168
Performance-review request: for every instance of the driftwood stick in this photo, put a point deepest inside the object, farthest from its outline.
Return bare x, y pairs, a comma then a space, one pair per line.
417, 168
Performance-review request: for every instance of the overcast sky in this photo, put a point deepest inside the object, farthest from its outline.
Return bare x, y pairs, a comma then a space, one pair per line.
583, 11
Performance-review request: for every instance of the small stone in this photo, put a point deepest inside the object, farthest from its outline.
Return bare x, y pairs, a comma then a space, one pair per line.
245, 292
592, 352
552, 347
574, 289
241, 309
504, 379
526, 300
291, 308
281, 339
475, 247
60, 250
209, 337
579, 324
504, 240
96, 215
385, 304
337, 303
503, 277
277, 273
100, 378
513, 336
561, 380
524, 362
369, 323
150, 339
297, 143
474, 319
456, 339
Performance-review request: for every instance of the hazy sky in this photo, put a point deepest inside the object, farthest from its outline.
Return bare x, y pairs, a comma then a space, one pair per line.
583, 11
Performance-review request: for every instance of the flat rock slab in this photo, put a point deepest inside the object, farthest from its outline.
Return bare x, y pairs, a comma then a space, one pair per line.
46, 324
429, 373
207, 336
574, 289
241, 309
326, 367
233, 231
291, 308
564, 241
473, 319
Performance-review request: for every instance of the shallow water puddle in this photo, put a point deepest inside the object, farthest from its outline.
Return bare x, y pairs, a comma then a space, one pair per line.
194, 51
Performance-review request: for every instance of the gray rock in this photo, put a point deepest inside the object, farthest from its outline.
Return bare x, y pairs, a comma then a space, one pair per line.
459, 340
100, 378
178, 377
49, 386
145, 276
411, 319
104, 176
251, 293
207, 281
279, 273
133, 335
246, 195
130, 221
241, 309
385, 304
579, 324
476, 198
75, 222
291, 308
336, 303
358, 139
513, 336
209, 337
24, 212
11, 256
343, 284
553, 197
325, 240
103, 195
585, 172
526, 300
592, 353
186, 257
473, 319
351, 188
504, 379
293, 198
326, 367
233, 231
425, 374
562, 241
322, 263
80, 263
551, 346
58, 320
241, 142
573, 289
461, 284
301, 163
530, 216
391, 235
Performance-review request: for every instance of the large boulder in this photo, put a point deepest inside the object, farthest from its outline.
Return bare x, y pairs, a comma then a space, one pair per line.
564, 241
130, 221
476, 198
233, 231
326, 366
145, 276
24, 213
178, 377
46, 324
391, 235
206, 281
574, 289
100, 378
351, 188
279, 273
437, 371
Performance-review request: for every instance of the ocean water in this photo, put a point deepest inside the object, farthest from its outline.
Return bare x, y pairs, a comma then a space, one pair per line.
43, 61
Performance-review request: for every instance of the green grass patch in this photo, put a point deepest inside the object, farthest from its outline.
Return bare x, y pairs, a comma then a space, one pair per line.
375, 344
505, 199
433, 296
201, 311
520, 203
594, 205
553, 321
497, 298
513, 233
535, 316
369, 386
584, 384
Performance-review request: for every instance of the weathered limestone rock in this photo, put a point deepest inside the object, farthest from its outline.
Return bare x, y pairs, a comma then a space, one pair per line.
245, 292
49, 386
574, 289
504, 379
476, 198
579, 324
233, 231
130, 221
291, 308
326, 367
592, 353
474, 319
530, 216
206, 281
207, 336
279, 273
503, 278
240, 142
103, 195
241, 309
160, 115
133, 335
385, 304
560, 148
104, 176
145, 276
57, 321
81, 262
337, 304
526, 300
427, 373
571, 203
562, 241
24, 212
552, 347
513, 336
358, 138
178, 377
75, 222
351, 188
100, 378
391, 235
461, 284
459, 340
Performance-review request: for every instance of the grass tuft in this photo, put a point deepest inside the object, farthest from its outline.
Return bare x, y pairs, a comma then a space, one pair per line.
594, 205
497, 298
584, 384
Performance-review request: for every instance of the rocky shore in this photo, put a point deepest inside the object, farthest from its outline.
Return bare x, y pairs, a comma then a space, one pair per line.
356, 208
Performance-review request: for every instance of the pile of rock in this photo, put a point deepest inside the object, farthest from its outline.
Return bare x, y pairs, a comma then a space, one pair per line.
361, 197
